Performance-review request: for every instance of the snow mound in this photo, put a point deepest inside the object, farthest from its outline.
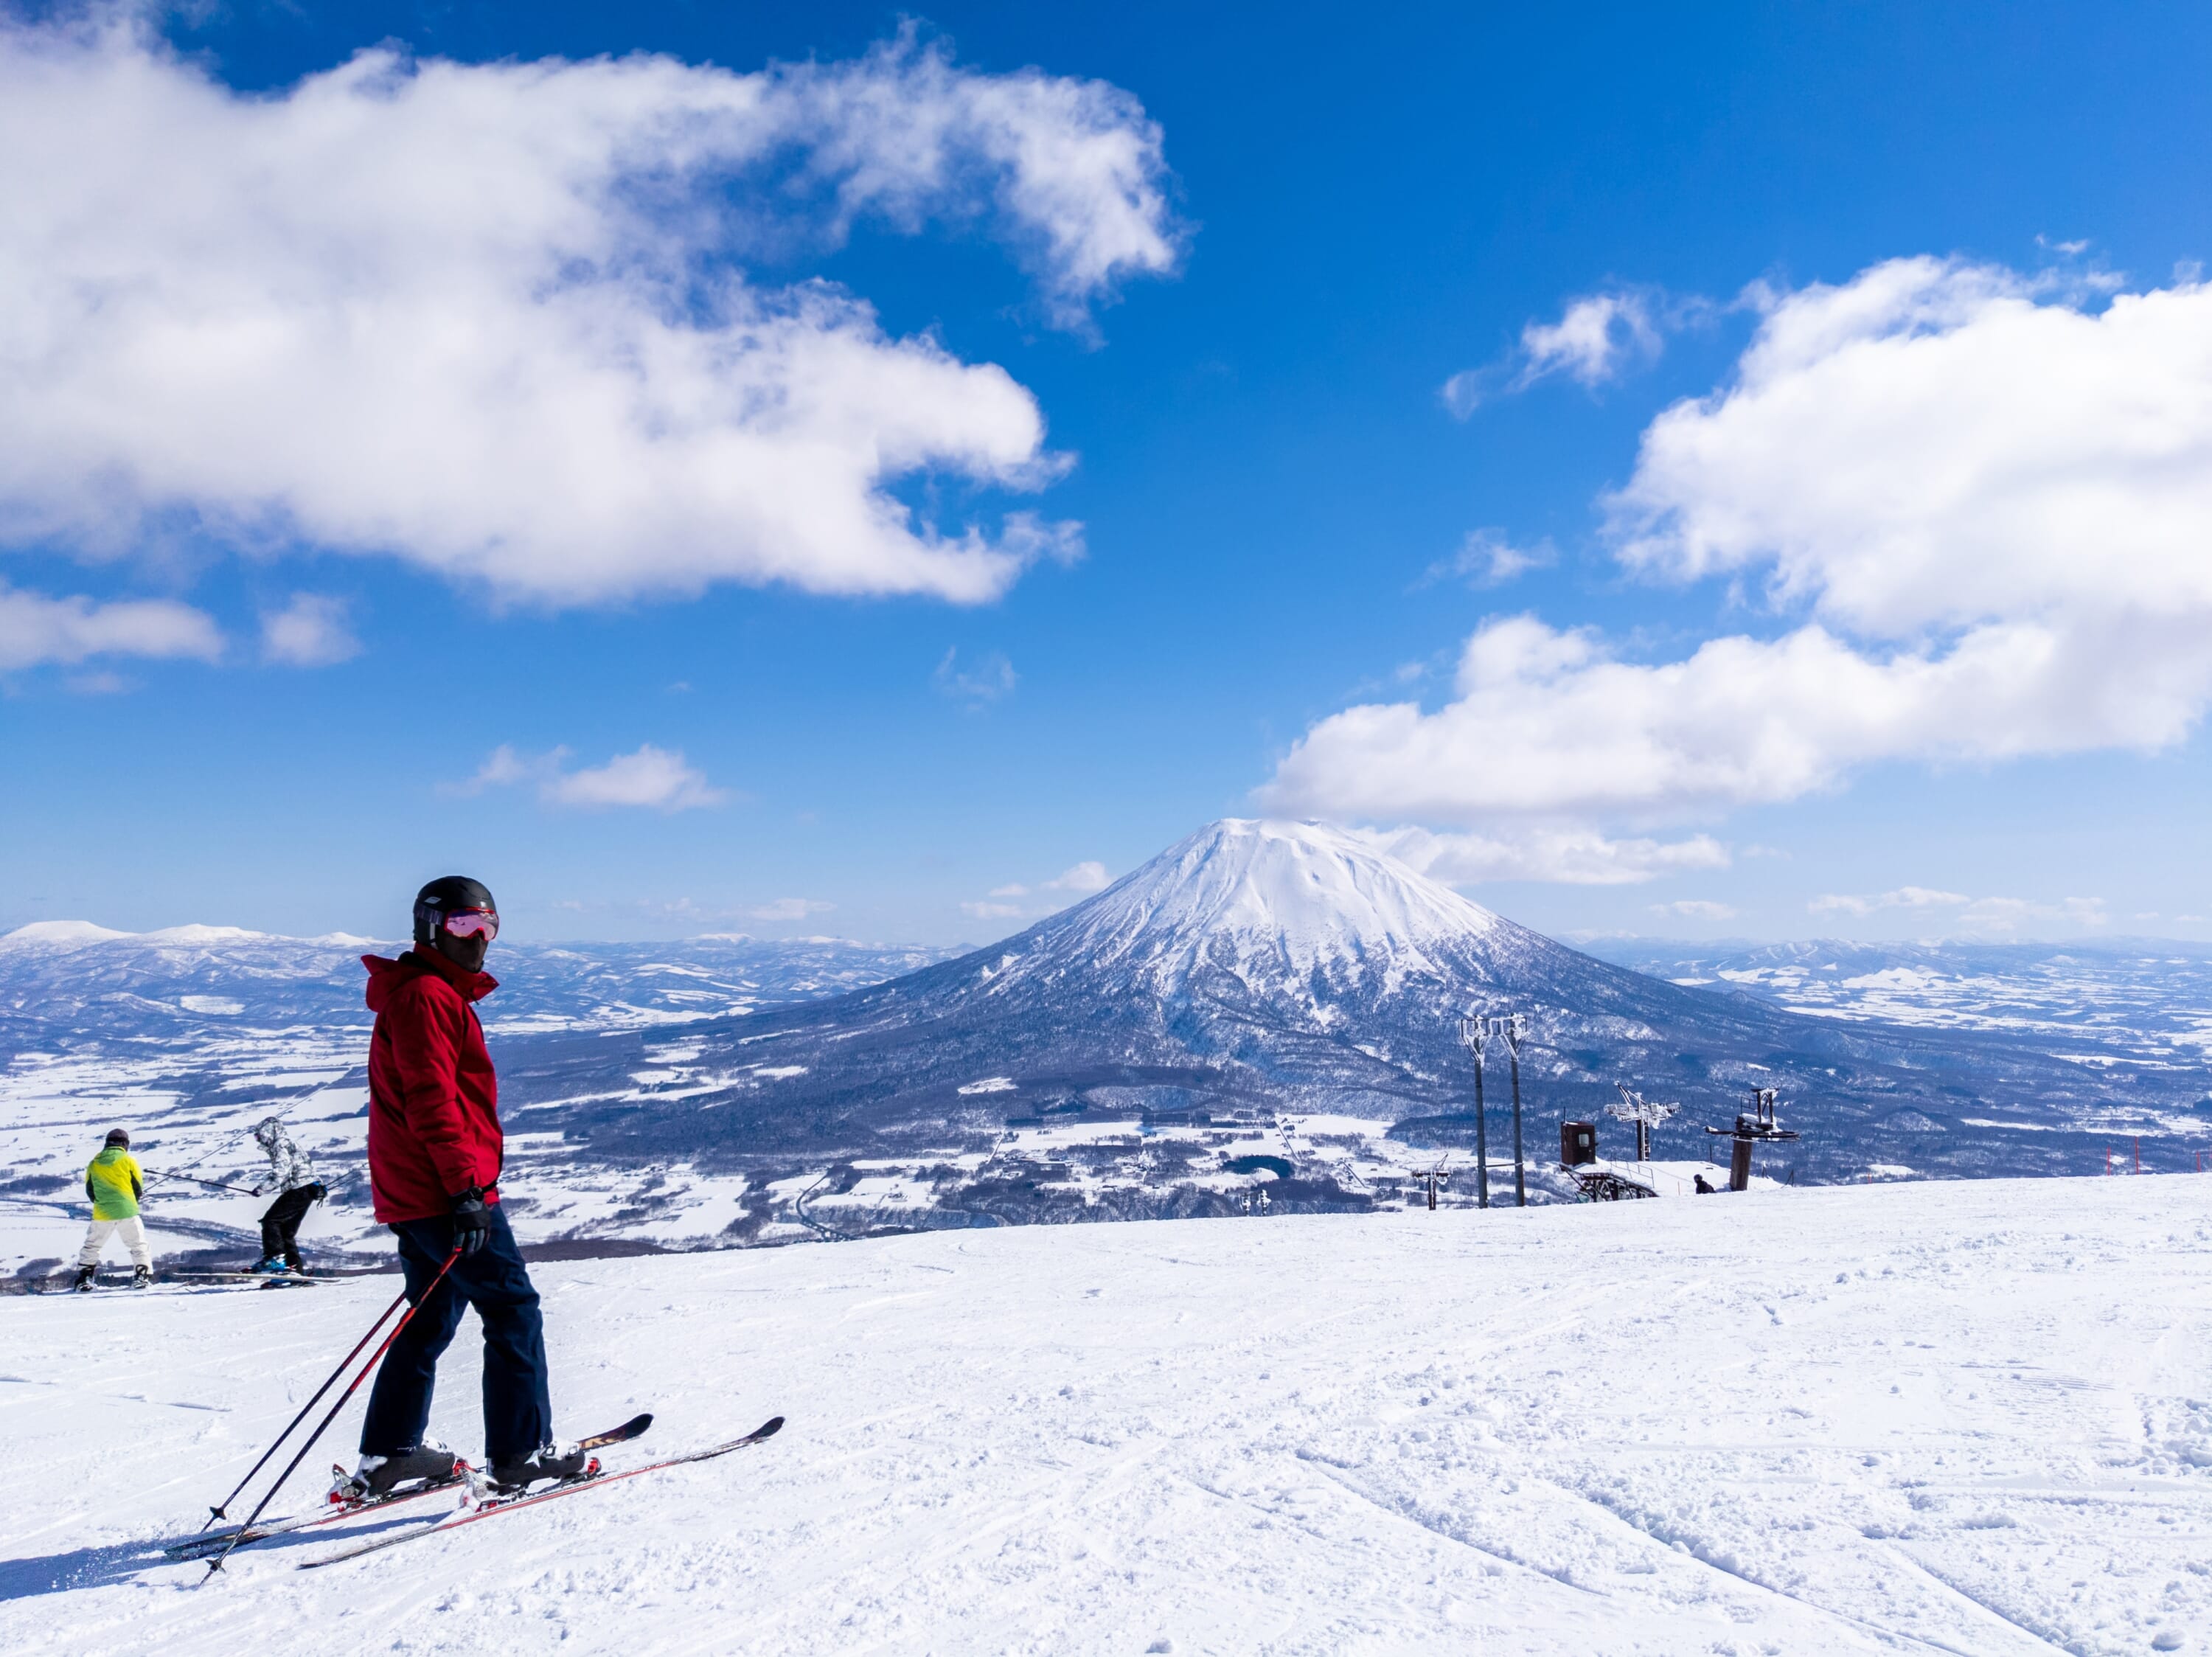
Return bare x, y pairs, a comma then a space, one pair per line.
200, 937
59, 935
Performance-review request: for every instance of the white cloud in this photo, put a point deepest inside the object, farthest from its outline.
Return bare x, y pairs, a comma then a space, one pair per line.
653, 778
656, 778
503, 767
494, 319
1908, 897
1596, 338
1486, 559
35, 630
2010, 914
311, 631
1015, 899
1593, 338
1560, 855
1974, 914
1695, 909
1993, 501
1084, 877
992, 676
788, 909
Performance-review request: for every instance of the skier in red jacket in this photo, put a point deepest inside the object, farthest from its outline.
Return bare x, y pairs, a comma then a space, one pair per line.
434, 1153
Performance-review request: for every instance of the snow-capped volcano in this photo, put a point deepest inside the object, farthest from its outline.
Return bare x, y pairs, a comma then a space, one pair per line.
1294, 925
1291, 898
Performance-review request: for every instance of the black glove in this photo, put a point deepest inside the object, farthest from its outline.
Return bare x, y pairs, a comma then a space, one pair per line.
471, 1221
317, 1192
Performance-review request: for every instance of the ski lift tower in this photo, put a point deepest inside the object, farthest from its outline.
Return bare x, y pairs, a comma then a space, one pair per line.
1476, 1033
1757, 1128
1432, 1178
1634, 1107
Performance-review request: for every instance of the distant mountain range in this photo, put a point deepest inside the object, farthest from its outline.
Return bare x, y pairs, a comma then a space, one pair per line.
1263, 967
1283, 980
2136, 1001
62, 982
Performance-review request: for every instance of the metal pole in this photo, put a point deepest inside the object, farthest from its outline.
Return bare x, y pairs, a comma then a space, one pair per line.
1481, 1134
1513, 1045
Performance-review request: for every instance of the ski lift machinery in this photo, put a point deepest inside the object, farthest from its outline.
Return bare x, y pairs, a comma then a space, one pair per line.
1754, 1127
1634, 1107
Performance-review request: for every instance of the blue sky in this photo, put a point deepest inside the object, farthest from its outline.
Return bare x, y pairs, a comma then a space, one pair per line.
404, 485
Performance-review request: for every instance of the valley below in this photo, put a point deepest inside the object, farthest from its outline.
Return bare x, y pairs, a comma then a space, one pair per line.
1264, 1021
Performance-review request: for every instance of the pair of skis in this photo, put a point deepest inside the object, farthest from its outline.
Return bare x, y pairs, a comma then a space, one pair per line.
484, 1507
591, 1479
341, 1509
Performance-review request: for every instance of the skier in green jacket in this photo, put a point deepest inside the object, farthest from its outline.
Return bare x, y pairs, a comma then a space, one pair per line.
116, 1185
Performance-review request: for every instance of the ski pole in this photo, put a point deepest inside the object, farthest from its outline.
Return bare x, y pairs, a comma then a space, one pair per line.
223, 1512
194, 1179
324, 1426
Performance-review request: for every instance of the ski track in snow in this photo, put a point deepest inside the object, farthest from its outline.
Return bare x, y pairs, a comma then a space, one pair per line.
1968, 1418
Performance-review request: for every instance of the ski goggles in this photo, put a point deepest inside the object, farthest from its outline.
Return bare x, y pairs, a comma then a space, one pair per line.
468, 923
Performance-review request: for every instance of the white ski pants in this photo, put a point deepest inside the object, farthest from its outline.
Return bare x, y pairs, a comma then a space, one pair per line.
132, 1231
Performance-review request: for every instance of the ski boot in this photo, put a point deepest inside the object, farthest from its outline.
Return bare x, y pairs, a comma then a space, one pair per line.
428, 1463
558, 1462
267, 1266
85, 1276
141, 1276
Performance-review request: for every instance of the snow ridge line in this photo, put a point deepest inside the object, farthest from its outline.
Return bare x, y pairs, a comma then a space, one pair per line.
1690, 1548
2042, 1642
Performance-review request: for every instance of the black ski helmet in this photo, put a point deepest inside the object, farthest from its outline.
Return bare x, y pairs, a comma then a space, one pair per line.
445, 896
117, 1137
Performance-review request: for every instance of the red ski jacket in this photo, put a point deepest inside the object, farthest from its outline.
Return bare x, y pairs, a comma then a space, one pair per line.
432, 1097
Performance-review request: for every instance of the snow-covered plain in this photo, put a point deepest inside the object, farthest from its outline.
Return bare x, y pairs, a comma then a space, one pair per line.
1971, 1417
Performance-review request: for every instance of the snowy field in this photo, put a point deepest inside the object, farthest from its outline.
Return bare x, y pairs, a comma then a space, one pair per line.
1965, 1417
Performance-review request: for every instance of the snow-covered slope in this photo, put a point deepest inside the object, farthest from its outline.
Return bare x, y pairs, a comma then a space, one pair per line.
1966, 1418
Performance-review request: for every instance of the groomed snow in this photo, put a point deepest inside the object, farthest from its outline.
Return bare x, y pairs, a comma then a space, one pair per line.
1965, 1417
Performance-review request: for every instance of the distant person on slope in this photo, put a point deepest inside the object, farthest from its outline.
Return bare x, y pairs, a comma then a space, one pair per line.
116, 1185
434, 1155
293, 1177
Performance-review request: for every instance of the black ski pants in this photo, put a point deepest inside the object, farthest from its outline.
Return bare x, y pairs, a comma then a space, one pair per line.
280, 1227
518, 1406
